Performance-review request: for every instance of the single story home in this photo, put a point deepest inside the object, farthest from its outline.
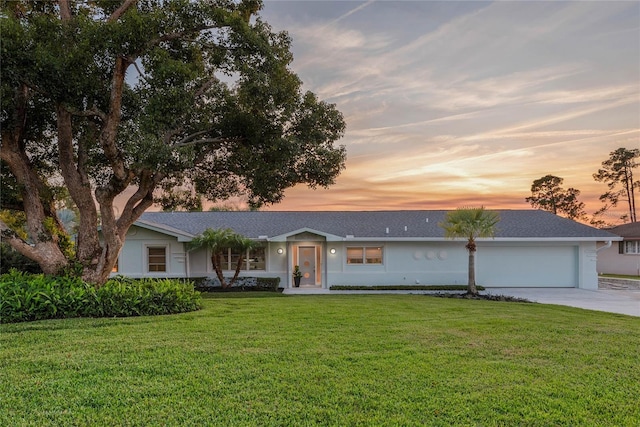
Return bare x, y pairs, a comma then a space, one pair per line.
623, 258
532, 248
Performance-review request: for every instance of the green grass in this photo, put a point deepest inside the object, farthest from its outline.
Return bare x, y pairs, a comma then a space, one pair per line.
271, 359
621, 276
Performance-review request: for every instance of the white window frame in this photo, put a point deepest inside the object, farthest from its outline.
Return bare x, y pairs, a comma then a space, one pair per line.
631, 247
166, 258
364, 255
229, 266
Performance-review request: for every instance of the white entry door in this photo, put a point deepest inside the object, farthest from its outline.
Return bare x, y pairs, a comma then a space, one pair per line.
307, 260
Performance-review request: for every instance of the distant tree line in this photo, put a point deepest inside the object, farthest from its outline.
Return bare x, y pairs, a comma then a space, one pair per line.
548, 194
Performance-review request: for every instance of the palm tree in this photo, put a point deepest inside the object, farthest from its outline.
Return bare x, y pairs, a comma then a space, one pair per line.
242, 245
470, 223
217, 241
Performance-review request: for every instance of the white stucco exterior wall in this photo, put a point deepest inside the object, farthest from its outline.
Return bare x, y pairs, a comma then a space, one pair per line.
498, 263
133, 262
610, 261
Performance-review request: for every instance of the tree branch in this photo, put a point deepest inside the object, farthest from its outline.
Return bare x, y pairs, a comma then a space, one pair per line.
141, 200
77, 181
11, 237
92, 112
112, 121
121, 10
65, 10
135, 64
206, 85
179, 34
191, 140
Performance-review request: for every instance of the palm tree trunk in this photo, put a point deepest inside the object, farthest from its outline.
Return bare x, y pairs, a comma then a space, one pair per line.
238, 268
216, 261
471, 285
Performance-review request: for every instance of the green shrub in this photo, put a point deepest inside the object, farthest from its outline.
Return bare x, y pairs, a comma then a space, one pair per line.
26, 297
268, 283
122, 297
212, 284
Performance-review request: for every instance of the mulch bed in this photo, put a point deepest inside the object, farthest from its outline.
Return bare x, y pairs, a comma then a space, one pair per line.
486, 297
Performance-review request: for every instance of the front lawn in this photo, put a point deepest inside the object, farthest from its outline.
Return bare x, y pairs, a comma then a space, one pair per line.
271, 359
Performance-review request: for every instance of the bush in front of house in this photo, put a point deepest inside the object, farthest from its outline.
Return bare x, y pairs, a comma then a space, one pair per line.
27, 297
212, 284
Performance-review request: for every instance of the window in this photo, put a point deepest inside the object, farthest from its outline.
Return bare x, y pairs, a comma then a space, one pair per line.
115, 266
364, 255
632, 247
253, 260
157, 258
256, 259
355, 256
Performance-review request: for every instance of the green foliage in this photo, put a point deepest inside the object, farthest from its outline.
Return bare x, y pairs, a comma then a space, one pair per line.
206, 284
122, 297
296, 271
547, 194
264, 359
64, 239
152, 96
470, 223
27, 297
15, 220
269, 283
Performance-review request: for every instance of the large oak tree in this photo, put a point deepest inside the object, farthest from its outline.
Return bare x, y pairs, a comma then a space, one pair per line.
151, 95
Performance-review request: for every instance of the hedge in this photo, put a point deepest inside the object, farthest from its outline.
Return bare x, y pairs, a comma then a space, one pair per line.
27, 297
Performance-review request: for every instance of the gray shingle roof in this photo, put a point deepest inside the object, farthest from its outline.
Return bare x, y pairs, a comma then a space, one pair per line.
630, 230
370, 224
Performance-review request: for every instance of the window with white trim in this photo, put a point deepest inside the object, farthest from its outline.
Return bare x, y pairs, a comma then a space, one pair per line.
364, 255
156, 258
254, 259
632, 247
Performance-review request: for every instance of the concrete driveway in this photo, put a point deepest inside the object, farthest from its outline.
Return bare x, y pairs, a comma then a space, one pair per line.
613, 301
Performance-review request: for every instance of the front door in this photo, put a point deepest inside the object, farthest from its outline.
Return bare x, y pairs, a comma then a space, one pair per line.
307, 260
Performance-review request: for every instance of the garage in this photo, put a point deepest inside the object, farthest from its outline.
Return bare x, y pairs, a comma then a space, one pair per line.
527, 266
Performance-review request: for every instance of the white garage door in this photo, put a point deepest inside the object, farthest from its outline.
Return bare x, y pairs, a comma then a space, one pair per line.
522, 266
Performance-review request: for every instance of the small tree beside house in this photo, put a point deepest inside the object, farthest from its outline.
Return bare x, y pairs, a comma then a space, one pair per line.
470, 223
220, 241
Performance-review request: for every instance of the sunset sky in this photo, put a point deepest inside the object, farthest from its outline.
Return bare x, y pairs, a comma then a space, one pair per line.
453, 104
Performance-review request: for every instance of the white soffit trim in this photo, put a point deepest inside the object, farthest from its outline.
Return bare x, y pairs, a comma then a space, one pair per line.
497, 239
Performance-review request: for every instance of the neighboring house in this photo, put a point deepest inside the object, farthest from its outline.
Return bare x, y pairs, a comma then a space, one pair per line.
532, 248
624, 257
